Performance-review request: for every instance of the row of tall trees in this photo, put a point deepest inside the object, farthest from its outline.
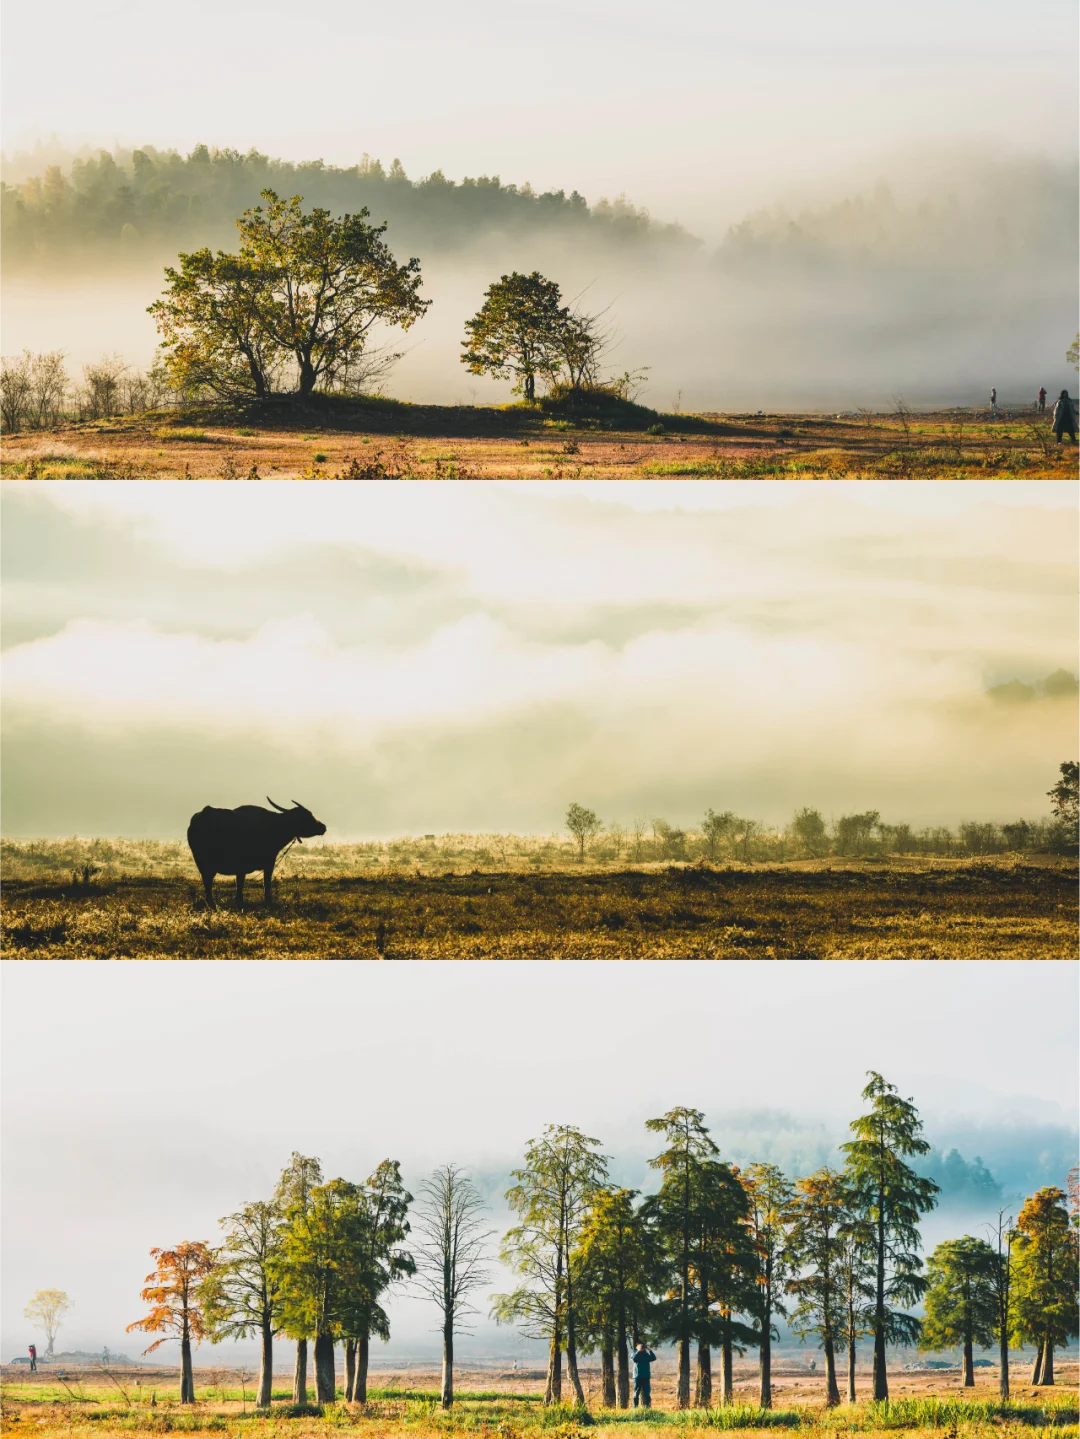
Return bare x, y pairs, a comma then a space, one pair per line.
708, 1263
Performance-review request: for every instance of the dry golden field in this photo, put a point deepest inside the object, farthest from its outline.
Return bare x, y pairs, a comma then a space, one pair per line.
915, 909
388, 440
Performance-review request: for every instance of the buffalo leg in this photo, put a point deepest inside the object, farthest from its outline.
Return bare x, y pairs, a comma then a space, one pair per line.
268, 875
240, 891
208, 888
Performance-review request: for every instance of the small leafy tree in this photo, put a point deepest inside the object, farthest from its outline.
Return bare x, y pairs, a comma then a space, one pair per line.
554, 1192
517, 331
296, 305
583, 824
809, 831
1072, 354
1065, 803
891, 1197
961, 1299
451, 1255
46, 1310
717, 829
856, 1269
173, 1291
1045, 1276
241, 1296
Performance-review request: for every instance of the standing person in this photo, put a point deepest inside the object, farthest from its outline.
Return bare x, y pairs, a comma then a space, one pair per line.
993, 402
33, 1359
642, 1360
1042, 399
1064, 417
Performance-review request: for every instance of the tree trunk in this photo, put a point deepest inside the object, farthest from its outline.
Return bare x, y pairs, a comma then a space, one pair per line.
1036, 1373
682, 1394
832, 1391
881, 1377
299, 1385
1048, 1364
969, 1363
851, 1366
187, 1379
325, 1379
363, 1353
448, 1365
1003, 1364
765, 1363
703, 1384
266, 1367
727, 1368
571, 1363
623, 1362
350, 1369
530, 386
607, 1373
553, 1393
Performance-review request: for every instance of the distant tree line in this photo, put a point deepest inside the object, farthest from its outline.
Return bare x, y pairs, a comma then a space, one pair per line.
728, 836
708, 1262
147, 200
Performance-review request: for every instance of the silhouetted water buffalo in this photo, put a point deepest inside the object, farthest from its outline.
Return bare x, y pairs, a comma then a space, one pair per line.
245, 840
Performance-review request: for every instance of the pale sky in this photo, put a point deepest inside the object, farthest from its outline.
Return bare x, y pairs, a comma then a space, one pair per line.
416, 659
693, 109
143, 1102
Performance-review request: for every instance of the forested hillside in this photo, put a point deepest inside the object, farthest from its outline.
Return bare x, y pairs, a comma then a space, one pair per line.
149, 201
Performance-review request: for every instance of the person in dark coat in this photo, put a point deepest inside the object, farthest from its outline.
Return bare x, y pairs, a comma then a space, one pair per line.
1064, 417
643, 1360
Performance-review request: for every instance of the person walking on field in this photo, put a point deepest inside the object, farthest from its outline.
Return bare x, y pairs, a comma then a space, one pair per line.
643, 1359
993, 402
1064, 417
33, 1359
1042, 399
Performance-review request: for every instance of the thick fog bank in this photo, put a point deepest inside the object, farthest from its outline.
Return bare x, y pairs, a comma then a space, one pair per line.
934, 288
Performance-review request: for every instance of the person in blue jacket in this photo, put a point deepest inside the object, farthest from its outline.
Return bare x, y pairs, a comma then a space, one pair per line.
642, 1360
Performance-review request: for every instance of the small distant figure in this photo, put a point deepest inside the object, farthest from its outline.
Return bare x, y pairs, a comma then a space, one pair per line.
33, 1359
1042, 399
1064, 417
643, 1359
993, 402
105, 1355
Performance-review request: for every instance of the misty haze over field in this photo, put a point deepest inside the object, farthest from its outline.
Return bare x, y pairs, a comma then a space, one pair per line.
472, 657
934, 282
872, 203
95, 1173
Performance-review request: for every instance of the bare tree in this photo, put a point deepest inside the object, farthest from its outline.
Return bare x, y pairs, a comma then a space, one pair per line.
451, 1254
16, 389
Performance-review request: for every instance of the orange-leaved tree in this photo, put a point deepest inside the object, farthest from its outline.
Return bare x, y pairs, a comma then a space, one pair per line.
172, 1291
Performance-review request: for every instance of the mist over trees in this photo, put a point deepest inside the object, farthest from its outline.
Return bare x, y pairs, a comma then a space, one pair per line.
707, 1262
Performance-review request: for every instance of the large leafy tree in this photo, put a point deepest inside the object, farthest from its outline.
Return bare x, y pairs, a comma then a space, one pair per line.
241, 1296
673, 1215
820, 1211
294, 307
553, 1193
769, 1193
856, 1269
614, 1264
383, 1203
173, 1293
516, 333
1045, 1278
961, 1299
46, 1310
301, 1175
722, 1272
891, 1197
